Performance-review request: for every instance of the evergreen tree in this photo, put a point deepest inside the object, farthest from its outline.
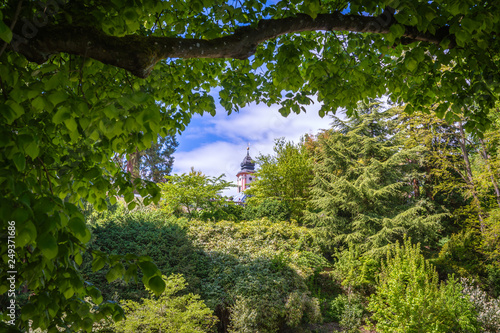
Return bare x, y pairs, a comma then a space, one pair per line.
362, 188
156, 162
153, 163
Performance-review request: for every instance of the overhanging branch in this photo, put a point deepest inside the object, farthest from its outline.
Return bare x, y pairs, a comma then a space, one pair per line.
139, 54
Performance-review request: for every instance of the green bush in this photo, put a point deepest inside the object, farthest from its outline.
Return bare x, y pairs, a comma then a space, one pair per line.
169, 313
144, 232
229, 212
347, 310
409, 297
356, 271
254, 275
273, 209
461, 256
259, 273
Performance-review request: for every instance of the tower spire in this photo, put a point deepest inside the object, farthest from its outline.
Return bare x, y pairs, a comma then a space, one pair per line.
245, 174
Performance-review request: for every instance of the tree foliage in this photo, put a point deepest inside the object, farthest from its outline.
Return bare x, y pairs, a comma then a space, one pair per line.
156, 162
169, 313
362, 191
193, 192
284, 176
83, 80
410, 298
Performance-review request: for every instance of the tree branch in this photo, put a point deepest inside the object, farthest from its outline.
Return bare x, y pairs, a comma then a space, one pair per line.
139, 54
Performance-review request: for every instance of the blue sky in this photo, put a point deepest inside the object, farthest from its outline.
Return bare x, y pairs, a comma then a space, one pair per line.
217, 145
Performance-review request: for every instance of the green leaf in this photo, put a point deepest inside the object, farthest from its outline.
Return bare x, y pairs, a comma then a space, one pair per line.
48, 245
115, 272
148, 268
55, 81
98, 263
131, 273
32, 149
411, 64
57, 97
26, 234
130, 15
157, 285
95, 294
18, 110
71, 124
78, 258
79, 229
38, 103
19, 161
5, 32
68, 293
20, 215
61, 114
397, 30
441, 110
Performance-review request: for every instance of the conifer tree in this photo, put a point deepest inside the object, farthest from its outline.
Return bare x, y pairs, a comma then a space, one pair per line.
156, 162
153, 163
362, 189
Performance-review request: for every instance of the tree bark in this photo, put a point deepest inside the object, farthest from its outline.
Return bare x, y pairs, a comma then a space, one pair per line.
139, 54
416, 188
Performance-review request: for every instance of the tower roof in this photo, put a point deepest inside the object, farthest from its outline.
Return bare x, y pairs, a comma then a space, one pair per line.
248, 164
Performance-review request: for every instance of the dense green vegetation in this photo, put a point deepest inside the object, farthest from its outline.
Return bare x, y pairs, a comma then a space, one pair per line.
378, 243
87, 84
254, 275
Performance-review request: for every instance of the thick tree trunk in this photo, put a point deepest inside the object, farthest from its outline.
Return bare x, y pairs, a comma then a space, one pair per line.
133, 165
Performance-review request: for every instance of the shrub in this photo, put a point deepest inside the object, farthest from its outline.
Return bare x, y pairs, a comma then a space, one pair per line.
488, 309
146, 233
356, 271
259, 273
274, 209
460, 255
229, 212
409, 297
348, 311
169, 313
255, 273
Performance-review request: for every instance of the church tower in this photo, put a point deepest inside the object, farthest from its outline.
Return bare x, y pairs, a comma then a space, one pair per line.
245, 176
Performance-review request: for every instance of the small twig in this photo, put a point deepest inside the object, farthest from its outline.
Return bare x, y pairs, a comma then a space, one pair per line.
48, 175
13, 24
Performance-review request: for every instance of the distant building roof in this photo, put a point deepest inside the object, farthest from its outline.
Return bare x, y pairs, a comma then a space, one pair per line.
248, 164
240, 198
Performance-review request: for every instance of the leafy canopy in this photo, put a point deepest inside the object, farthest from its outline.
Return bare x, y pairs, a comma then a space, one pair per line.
83, 80
284, 176
193, 192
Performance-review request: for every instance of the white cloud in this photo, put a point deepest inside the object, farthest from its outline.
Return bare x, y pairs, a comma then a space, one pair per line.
221, 141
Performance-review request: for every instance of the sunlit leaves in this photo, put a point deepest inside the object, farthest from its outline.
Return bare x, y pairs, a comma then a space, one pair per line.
5, 32
62, 122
